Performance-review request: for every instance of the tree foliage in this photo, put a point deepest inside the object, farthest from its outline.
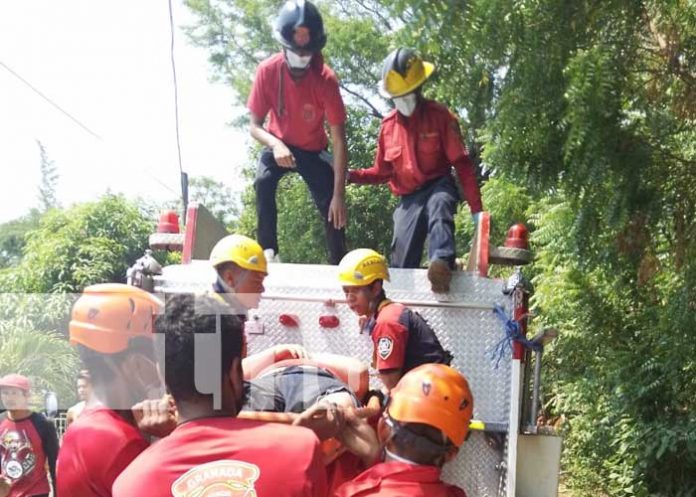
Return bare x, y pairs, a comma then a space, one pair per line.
13, 237
49, 180
581, 116
89, 243
217, 197
65, 250
45, 356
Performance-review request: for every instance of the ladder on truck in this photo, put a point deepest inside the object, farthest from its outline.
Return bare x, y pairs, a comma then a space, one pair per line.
504, 455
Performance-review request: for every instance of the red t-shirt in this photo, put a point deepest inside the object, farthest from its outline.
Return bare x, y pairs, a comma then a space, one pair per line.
297, 107
96, 448
398, 479
228, 456
342, 470
425, 146
23, 454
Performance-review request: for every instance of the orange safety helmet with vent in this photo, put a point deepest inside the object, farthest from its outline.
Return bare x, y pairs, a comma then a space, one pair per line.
435, 395
107, 316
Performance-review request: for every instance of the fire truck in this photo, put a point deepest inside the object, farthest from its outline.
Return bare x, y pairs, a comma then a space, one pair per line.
482, 320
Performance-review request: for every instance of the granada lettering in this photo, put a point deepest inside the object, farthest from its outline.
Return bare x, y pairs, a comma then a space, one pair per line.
234, 474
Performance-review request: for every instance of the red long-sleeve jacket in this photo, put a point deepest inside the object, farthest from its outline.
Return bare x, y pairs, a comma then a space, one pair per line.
425, 146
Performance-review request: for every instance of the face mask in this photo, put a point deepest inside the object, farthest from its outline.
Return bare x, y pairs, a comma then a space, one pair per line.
297, 61
406, 104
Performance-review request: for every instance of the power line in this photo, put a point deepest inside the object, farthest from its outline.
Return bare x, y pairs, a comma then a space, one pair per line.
176, 86
86, 128
47, 99
183, 177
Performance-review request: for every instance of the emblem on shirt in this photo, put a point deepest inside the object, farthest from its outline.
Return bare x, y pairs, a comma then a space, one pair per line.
385, 345
309, 113
17, 454
225, 478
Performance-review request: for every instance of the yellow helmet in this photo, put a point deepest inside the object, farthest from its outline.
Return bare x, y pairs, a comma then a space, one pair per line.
403, 72
241, 250
361, 267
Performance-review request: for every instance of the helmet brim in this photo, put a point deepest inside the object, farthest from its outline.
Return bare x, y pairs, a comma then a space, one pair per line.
428, 69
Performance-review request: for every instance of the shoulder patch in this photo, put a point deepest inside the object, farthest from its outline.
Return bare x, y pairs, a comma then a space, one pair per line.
385, 346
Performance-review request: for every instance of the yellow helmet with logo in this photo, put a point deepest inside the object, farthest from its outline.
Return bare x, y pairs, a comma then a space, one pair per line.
240, 249
403, 72
361, 267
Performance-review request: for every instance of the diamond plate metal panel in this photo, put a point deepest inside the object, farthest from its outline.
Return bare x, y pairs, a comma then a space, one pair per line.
462, 319
478, 468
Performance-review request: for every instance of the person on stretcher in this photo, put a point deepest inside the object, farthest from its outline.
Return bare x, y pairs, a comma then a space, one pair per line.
322, 392
325, 390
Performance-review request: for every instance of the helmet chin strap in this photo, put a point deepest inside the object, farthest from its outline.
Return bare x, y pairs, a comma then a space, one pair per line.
413, 440
230, 296
390, 456
225, 286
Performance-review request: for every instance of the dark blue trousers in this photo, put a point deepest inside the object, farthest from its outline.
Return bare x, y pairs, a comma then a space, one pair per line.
316, 171
428, 212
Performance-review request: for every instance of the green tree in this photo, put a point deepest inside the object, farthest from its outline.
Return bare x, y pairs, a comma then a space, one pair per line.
89, 243
65, 250
33, 343
217, 198
13, 237
49, 180
45, 357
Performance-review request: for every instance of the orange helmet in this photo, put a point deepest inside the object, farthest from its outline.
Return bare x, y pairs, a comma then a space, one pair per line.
435, 395
107, 316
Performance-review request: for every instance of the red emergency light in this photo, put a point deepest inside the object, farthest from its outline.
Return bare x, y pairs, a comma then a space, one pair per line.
517, 237
168, 222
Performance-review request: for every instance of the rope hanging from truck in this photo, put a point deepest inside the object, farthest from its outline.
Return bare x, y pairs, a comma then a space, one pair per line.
513, 331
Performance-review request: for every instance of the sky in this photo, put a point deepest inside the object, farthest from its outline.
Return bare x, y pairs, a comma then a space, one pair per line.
108, 65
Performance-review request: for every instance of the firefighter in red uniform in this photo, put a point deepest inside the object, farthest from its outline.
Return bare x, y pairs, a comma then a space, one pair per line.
111, 327
211, 451
402, 339
299, 92
419, 144
28, 442
425, 422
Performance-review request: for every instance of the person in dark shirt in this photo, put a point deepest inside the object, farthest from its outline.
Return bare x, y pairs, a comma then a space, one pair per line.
402, 339
28, 442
